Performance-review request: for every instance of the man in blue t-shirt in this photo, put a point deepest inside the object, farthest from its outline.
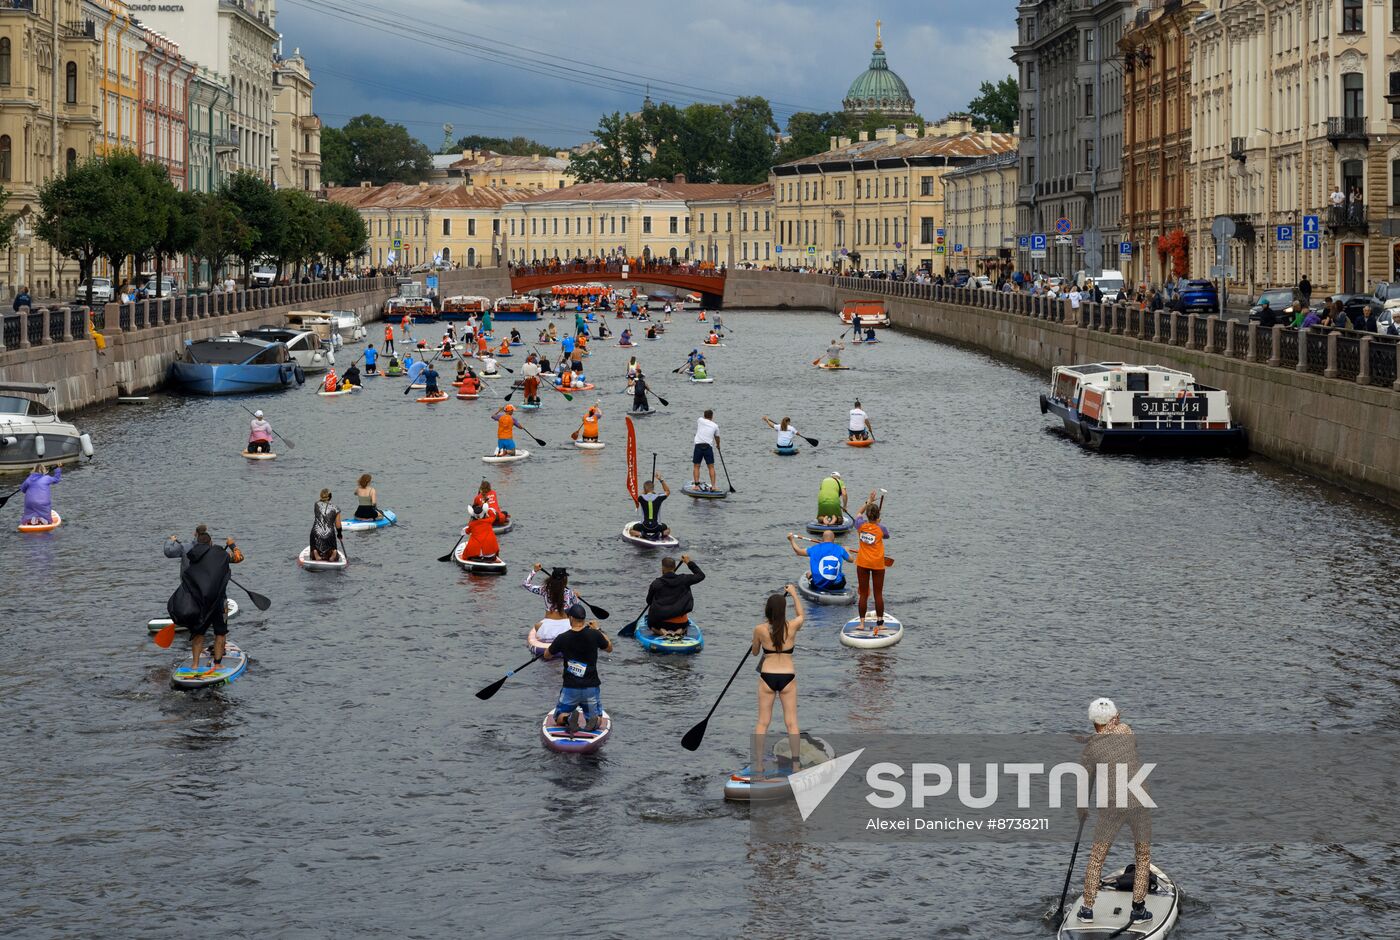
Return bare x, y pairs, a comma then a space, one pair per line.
567, 343
371, 360
825, 559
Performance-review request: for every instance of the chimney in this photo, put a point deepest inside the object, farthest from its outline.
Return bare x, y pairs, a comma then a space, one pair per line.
534, 158
561, 155
863, 137
366, 184
886, 135
679, 179
843, 142
422, 186
653, 182
834, 144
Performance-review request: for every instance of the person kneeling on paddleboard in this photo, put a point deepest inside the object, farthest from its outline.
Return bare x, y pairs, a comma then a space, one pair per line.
870, 334
325, 529
579, 648
825, 560
859, 425
515, 337
259, 434
1114, 746
351, 377
669, 601
505, 431
198, 604
650, 501
469, 384
787, 434
699, 373
488, 365
831, 500
38, 503
592, 419
481, 539
430, 379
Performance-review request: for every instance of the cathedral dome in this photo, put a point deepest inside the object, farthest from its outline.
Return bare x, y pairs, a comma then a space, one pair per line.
878, 88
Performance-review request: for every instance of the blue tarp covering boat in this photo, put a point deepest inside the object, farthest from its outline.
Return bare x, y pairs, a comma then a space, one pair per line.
227, 366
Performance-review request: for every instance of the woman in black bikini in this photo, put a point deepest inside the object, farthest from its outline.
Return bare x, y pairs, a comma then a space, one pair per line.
777, 676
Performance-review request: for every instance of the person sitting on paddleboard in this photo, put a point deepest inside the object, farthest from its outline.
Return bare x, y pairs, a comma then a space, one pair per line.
259, 434
367, 499
515, 339
486, 495
504, 348
639, 393
461, 370
199, 603
395, 367
833, 354
325, 529
626, 338
650, 502
488, 365
581, 688
552, 332
371, 360
505, 433
713, 338
603, 331
700, 373
831, 500
351, 376
590, 424
430, 380
469, 384
423, 347
1114, 746
824, 559
859, 424
787, 434
38, 502
690, 360
558, 596
331, 383
566, 377
870, 559
669, 601
773, 642
706, 440
446, 346
651, 331
870, 334
481, 538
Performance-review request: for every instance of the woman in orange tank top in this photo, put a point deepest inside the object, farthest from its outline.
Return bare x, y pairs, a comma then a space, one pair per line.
870, 559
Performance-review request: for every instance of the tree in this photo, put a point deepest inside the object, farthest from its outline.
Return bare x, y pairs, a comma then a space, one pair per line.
510, 147
262, 212
809, 133
997, 105
221, 231
335, 157
303, 236
620, 152
377, 151
173, 215
749, 154
346, 232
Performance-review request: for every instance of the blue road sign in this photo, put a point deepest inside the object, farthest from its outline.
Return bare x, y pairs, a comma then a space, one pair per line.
1038, 242
957, 249
1312, 240
1023, 241
1310, 224
1125, 249
1284, 233
941, 233
778, 249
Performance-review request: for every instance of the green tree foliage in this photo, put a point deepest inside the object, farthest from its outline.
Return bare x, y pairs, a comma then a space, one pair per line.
809, 133
749, 155
222, 233
303, 235
264, 215
346, 233
997, 104
507, 146
336, 164
374, 150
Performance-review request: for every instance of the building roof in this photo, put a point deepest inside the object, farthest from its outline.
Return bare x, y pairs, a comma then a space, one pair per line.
650, 191
997, 161
423, 196
878, 88
495, 163
959, 147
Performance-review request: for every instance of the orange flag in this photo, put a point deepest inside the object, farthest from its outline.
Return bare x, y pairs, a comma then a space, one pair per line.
632, 462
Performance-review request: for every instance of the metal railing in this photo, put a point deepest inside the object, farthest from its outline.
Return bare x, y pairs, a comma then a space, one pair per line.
1314, 350
1240, 339
1348, 356
1383, 355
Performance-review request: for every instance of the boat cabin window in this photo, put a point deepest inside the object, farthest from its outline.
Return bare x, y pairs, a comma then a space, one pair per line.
1137, 381
14, 405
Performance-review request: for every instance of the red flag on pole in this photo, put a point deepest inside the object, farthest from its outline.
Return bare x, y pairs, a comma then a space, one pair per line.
632, 462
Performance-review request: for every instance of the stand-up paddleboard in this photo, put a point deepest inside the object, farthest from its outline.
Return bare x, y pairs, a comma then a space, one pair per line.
463, 396
1115, 901
44, 527
862, 635
418, 385
257, 455
845, 525
822, 365
865, 443
433, 399
846, 595
785, 451
625, 345
690, 489
590, 445
507, 458
560, 738
387, 517
705, 381
501, 355
665, 542
305, 560
206, 675
521, 343
711, 345
528, 406
488, 375
343, 391
160, 623
536, 645
692, 641
572, 389
503, 528
745, 787
643, 414
475, 566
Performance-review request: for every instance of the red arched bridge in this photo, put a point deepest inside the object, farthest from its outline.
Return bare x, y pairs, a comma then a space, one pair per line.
706, 281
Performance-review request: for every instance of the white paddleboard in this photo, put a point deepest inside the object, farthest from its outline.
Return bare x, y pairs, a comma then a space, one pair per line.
304, 559
667, 542
1112, 906
509, 458
251, 455
863, 636
590, 445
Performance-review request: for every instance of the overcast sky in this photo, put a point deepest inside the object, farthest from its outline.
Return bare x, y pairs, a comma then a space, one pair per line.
428, 62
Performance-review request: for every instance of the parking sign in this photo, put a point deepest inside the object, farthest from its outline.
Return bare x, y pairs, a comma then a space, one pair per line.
1125, 249
1284, 233
1023, 241
1312, 241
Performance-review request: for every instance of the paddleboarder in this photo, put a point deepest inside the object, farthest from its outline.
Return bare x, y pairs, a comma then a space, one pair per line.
650, 502
833, 354
199, 603
859, 424
824, 560
469, 384
558, 596
331, 383
38, 502
325, 529
870, 560
389, 339
581, 687
590, 424
773, 642
1114, 747
706, 440
530, 379
488, 364
787, 434
640, 404
259, 434
485, 494
505, 431
669, 601
481, 538
371, 360
367, 498
351, 378
831, 500
430, 380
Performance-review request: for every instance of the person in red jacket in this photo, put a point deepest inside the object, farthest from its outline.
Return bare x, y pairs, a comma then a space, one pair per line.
481, 540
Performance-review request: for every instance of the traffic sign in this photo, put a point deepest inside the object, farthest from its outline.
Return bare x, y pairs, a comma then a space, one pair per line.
1038, 242
1125, 249
1312, 241
958, 248
1222, 228
398, 242
778, 249
811, 249
1063, 226
1310, 224
898, 245
1023, 241
940, 233
1283, 233
1093, 259
1062, 239
1222, 270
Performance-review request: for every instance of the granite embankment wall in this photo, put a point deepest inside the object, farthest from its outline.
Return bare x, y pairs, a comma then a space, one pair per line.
1327, 403
51, 345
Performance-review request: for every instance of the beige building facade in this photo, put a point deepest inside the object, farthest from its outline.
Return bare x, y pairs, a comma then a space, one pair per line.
496, 171
979, 212
458, 225
875, 203
296, 130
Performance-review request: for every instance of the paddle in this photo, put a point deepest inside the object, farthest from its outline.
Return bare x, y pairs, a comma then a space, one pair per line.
531, 436
495, 687
695, 735
448, 556
630, 629
290, 445
343, 553
680, 367
259, 601
598, 612
726, 469
6, 499
1059, 911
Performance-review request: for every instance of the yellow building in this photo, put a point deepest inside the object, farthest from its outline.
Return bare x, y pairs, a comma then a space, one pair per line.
734, 229
979, 214
485, 168
50, 119
875, 203
296, 130
458, 225
120, 44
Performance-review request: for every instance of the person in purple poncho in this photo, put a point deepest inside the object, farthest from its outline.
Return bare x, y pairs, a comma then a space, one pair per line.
38, 504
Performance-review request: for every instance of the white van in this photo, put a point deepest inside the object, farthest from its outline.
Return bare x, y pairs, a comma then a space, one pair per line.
1109, 281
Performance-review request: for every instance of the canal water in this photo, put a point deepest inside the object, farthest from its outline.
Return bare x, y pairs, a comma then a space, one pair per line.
351, 781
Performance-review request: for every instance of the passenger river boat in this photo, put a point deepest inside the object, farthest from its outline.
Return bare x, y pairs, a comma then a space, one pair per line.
464, 307
1115, 407
871, 312
518, 308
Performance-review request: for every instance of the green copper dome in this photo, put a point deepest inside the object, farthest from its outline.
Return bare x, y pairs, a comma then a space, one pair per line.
879, 89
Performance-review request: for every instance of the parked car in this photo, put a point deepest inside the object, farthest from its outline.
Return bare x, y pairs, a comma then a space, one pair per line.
1196, 296
1279, 298
167, 287
982, 282
1109, 280
264, 275
101, 290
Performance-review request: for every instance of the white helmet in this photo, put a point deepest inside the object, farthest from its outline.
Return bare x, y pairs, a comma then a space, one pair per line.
1102, 711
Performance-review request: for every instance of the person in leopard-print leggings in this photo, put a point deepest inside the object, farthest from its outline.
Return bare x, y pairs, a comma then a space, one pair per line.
1115, 746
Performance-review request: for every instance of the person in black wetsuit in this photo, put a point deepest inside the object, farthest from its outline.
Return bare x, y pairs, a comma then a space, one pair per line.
639, 393
198, 604
650, 527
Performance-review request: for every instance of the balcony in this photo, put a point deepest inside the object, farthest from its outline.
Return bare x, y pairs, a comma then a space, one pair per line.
224, 141
9, 6
82, 29
1343, 129
1237, 148
1349, 218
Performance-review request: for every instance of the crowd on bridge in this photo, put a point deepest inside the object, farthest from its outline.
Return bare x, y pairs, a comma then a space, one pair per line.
613, 265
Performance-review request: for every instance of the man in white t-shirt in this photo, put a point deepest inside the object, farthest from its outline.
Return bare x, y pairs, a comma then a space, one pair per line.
706, 440
1075, 297
859, 426
1337, 198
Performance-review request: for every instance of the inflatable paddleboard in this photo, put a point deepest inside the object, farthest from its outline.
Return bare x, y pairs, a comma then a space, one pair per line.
433, 399
667, 542
832, 368
840, 598
625, 345
325, 394
205, 675
865, 443
690, 489
583, 741
785, 451
464, 396
418, 385
160, 623
744, 787
844, 525
693, 641
529, 407
508, 458
386, 518
590, 445
251, 455
1115, 901
536, 645
304, 559
44, 527
479, 567
643, 414
863, 635
501, 529
586, 387
704, 381
488, 375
